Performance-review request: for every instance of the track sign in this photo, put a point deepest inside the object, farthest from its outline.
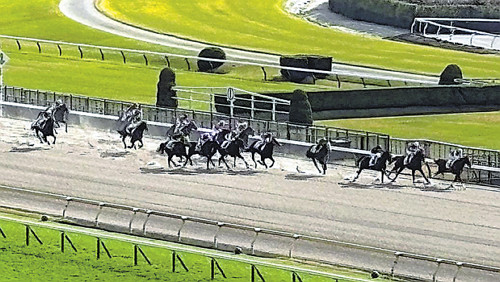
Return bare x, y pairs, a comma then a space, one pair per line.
230, 94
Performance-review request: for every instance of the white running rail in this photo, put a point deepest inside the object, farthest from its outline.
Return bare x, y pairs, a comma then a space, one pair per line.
445, 30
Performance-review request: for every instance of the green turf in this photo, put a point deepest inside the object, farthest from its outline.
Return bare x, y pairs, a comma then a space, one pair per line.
47, 263
264, 25
472, 129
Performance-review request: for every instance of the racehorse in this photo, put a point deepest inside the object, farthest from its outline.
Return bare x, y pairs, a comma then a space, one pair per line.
208, 150
185, 130
136, 132
264, 149
321, 154
44, 124
380, 165
60, 114
456, 168
178, 150
232, 149
414, 165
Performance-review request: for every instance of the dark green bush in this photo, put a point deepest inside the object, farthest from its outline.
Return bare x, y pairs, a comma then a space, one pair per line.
300, 108
449, 74
213, 53
305, 62
165, 94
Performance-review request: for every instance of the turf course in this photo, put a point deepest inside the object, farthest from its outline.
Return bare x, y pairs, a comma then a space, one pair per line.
265, 26
474, 129
48, 263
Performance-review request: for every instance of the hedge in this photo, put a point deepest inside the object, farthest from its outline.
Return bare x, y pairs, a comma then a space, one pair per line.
401, 14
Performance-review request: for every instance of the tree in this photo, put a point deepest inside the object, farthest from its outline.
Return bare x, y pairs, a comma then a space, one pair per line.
165, 95
300, 108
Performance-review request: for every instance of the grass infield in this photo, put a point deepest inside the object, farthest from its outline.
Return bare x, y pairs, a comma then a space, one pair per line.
266, 26
46, 262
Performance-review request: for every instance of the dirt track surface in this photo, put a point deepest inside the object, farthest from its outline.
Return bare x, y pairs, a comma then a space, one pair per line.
461, 225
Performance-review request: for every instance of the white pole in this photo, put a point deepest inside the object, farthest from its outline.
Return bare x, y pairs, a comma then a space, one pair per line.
1, 80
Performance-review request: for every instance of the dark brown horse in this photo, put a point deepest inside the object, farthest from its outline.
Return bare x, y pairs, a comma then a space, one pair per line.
456, 168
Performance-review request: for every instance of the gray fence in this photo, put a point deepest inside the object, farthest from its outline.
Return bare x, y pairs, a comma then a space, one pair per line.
282, 130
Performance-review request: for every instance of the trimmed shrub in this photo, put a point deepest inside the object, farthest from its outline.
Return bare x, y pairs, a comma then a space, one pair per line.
300, 108
449, 74
165, 94
213, 53
306, 62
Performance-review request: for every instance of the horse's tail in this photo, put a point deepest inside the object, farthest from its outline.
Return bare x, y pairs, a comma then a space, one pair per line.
161, 148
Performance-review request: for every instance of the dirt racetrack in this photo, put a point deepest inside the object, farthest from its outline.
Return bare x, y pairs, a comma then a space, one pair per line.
454, 224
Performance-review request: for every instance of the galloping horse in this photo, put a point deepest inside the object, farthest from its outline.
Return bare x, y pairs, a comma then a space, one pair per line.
264, 149
456, 168
414, 165
380, 165
125, 124
208, 150
44, 124
232, 149
178, 150
136, 132
321, 154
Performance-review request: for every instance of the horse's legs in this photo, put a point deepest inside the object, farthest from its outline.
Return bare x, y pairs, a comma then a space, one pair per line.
124, 144
316, 165
142, 144
241, 157
425, 177
224, 160
357, 175
253, 159
272, 159
54, 139
66, 127
382, 178
397, 174
234, 162
324, 168
413, 176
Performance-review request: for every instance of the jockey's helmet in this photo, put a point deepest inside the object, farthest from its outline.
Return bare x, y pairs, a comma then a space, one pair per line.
58, 102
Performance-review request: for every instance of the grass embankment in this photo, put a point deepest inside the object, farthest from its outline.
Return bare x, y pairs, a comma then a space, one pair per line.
474, 129
47, 263
265, 26
109, 79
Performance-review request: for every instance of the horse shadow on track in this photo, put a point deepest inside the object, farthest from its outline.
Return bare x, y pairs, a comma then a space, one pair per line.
114, 154
26, 149
301, 177
196, 171
387, 186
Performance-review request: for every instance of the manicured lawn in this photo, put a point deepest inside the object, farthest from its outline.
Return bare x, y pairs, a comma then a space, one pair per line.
471, 129
264, 25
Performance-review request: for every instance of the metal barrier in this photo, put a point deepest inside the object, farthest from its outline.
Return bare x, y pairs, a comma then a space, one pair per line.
257, 103
293, 238
186, 62
283, 130
448, 31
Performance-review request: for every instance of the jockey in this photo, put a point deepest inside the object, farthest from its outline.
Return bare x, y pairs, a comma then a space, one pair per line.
411, 151
181, 122
219, 127
321, 142
203, 139
240, 127
265, 138
375, 154
454, 156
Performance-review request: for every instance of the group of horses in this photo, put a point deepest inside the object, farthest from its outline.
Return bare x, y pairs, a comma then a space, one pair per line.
225, 142
48, 120
232, 143
415, 164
